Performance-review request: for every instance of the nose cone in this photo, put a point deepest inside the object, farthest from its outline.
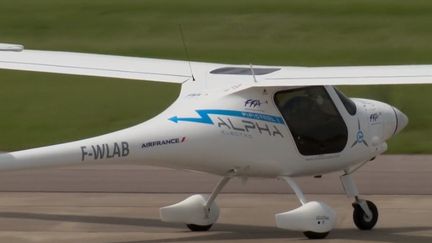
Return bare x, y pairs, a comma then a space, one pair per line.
401, 120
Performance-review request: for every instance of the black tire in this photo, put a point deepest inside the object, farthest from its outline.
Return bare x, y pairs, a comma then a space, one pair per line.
315, 235
195, 227
360, 219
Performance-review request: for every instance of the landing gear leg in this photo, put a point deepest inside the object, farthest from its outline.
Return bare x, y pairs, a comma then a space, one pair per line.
365, 213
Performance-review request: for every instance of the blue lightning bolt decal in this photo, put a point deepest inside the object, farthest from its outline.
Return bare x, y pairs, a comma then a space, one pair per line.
205, 118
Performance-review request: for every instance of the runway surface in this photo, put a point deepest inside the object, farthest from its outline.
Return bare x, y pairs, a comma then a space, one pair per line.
133, 218
120, 203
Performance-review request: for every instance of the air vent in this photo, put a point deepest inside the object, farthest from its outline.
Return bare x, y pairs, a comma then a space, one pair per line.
244, 71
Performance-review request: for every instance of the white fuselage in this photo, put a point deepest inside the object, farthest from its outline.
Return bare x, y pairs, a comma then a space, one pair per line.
239, 128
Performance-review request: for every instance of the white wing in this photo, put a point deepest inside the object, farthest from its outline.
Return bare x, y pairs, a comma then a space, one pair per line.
218, 75
354, 75
100, 65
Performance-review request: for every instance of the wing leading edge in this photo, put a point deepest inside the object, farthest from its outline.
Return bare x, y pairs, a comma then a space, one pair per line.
99, 65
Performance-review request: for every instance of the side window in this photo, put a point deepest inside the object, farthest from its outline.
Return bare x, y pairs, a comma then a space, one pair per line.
313, 119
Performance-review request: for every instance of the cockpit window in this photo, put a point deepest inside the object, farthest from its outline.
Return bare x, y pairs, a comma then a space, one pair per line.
348, 103
313, 119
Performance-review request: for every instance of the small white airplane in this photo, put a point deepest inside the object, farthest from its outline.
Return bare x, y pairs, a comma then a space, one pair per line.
237, 121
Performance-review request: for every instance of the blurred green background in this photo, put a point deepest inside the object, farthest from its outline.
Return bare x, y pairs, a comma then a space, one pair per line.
40, 109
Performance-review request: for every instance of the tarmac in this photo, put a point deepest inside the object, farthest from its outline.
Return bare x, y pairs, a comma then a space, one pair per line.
120, 203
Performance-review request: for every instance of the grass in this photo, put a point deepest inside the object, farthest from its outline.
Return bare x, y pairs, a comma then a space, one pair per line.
40, 109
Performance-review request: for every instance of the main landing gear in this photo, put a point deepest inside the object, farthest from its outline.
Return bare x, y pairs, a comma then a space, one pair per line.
198, 212
198, 228
315, 219
365, 213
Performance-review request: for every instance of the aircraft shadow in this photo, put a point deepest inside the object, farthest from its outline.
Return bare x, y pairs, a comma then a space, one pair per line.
223, 232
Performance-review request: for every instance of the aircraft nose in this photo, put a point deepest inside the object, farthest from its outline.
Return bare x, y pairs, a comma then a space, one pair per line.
401, 120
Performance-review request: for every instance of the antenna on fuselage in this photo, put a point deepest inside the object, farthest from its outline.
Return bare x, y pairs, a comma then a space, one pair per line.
186, 51
253, 73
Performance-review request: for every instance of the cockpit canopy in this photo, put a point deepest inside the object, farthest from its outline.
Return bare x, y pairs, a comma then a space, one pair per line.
313, 119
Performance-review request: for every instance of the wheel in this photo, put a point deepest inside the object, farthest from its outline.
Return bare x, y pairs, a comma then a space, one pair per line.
315, 235
360, 218
195, 227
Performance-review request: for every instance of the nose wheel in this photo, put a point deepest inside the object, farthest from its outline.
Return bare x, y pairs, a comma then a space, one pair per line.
362, 220
365, 213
